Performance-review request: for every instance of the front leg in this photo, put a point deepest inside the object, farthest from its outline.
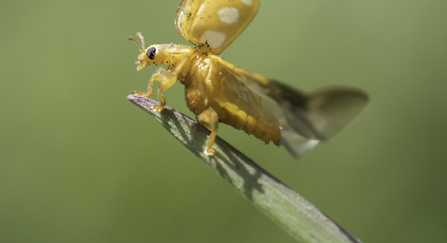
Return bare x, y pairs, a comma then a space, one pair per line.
167, 79
158, 77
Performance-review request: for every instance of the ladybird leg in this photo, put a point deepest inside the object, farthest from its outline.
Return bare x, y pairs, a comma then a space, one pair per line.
168, 78
206, 125
158, 77
206, 117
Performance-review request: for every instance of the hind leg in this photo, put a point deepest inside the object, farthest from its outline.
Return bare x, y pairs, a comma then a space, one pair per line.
205, 118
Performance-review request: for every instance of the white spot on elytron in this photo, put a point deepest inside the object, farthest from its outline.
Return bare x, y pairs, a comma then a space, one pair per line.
200, 9
248, 2
229, 15
214, 38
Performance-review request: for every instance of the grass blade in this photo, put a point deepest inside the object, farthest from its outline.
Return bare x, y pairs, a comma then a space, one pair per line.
293, 213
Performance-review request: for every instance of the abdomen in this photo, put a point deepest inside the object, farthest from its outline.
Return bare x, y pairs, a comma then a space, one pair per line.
234, 111
230, 108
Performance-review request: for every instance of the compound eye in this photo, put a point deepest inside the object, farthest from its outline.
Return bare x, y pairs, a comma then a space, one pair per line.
150, 52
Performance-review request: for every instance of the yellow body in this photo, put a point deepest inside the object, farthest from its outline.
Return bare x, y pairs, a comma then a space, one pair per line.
238, 97
212, 26
206, 86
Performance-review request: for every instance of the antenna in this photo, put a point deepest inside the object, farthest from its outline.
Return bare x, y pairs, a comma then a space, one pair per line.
138, 44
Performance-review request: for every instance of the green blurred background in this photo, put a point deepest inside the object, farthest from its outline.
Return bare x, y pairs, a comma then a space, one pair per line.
79, 163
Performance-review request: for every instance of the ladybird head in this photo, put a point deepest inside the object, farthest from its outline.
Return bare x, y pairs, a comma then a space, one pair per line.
148, 55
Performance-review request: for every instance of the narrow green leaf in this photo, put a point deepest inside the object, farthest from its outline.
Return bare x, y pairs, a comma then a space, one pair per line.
293, 213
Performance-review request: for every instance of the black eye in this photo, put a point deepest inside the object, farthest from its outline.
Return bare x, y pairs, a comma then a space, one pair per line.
150, 53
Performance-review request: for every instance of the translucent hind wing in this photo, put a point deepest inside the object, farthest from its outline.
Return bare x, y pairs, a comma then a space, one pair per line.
296, 144
332, 109
317, 116
320, 114
254, 90
305, 119
214, 23
247, 86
